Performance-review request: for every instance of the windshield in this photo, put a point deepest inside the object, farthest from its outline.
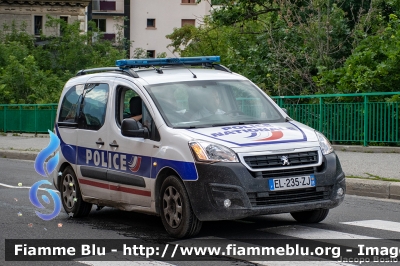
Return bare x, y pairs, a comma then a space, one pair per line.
193, 104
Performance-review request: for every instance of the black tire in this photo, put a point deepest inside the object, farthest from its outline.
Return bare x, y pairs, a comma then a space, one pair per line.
71, 196
314, 216
175, 210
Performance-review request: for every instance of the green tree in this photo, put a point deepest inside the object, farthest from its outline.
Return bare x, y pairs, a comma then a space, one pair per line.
32, 73
74, 50
373, 66
279, 44
23, 82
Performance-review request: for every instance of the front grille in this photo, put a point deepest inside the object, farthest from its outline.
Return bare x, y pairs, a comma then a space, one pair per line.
284, 172
288, 196
274, 160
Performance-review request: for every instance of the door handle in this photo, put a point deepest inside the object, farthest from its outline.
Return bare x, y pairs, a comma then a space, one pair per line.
114, 144
100, 142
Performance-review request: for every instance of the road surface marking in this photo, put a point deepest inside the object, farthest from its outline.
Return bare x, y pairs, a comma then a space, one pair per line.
9, 186
377, 224
312, 233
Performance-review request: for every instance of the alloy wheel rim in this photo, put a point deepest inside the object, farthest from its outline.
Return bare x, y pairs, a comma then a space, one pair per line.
172, 205
69, 191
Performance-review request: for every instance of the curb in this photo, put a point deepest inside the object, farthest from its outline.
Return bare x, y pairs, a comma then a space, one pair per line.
354, 186
20, 155
373, 188
368, 149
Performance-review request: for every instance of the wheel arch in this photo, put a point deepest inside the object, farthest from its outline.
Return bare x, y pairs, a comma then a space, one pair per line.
161, 176
61, 169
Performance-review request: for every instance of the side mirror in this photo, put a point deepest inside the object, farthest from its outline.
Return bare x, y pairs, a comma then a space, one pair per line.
132, 128
284, 109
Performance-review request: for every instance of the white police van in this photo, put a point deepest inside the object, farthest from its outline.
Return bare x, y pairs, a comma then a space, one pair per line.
190, 141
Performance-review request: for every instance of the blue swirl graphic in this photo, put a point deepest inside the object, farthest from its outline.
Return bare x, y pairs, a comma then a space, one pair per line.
45, 153
40, 165
35, 201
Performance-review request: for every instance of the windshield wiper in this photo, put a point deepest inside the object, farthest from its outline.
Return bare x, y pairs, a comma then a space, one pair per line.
188, 127
234, 123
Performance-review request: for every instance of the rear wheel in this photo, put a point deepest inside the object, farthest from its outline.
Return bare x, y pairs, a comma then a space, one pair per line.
314, 216
176, 212
71, 195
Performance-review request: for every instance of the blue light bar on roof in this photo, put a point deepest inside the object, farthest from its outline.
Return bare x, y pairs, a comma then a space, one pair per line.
123, 63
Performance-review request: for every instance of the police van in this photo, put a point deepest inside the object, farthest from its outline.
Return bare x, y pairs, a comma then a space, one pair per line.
191, 141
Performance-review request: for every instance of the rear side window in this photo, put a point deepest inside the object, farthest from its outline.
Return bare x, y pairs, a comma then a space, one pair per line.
70, 104
94, 106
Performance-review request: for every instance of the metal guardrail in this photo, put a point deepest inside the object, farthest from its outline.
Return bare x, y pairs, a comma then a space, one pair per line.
359, 121
362, 120
32, 118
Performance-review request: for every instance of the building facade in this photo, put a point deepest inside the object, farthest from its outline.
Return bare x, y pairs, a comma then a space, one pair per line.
34, 13
152, 20
144, 22
109, 17
147, 22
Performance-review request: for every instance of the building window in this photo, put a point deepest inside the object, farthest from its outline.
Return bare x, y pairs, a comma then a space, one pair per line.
188, 2
107, 5
151, 23
62, 26
100, 24
151, 53
188, 22
109, 36
38, 24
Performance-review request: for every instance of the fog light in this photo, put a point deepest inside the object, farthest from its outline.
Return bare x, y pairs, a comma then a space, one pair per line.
227, 203
340, 192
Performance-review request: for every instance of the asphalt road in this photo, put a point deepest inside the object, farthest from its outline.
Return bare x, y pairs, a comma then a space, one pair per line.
19, 221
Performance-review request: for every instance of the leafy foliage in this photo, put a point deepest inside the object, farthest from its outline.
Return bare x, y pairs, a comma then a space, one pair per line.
32, 73
292, 47
373, 66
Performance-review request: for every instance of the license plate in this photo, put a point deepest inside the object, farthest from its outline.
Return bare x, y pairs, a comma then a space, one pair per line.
292, 182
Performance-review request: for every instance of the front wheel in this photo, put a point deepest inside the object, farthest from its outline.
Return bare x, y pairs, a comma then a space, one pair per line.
71, 195
175, 209
314, 216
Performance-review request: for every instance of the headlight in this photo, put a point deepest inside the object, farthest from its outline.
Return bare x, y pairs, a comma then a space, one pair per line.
326, 146
211, 152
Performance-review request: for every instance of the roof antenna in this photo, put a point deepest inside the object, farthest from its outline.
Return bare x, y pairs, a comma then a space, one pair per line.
158, 70
194, 76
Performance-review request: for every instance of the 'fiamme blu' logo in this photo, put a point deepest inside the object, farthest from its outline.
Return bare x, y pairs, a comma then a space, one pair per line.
45, 169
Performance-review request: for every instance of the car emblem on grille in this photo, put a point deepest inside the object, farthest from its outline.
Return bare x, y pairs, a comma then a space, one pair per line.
285, 160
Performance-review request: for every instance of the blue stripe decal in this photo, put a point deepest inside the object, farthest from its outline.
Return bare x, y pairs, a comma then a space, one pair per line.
121, 162
67, 150
304, 135
124, 162
186, 170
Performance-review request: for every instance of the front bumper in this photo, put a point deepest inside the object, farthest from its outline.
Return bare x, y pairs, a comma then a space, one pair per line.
250, 194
